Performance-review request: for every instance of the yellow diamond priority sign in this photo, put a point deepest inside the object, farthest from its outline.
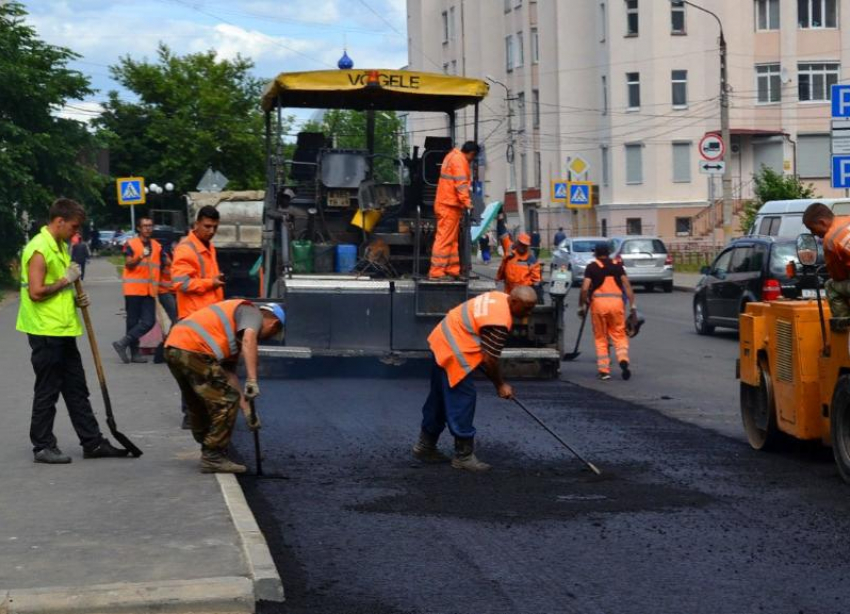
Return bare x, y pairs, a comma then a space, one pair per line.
578, 166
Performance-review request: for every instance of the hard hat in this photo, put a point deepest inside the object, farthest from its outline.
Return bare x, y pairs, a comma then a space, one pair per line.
633, 323
275, 309
524, 239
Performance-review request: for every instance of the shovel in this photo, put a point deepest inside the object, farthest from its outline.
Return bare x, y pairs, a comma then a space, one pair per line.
575, 353
101, 377
258, 454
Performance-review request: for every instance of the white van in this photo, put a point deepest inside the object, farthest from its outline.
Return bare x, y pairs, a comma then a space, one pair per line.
784, 218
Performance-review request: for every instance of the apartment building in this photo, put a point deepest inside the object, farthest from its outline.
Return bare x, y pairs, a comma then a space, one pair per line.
632, 86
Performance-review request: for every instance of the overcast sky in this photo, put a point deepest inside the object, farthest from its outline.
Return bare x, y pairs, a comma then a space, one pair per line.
279, 36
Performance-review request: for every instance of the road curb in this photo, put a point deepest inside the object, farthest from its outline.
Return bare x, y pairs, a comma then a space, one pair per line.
228, 595
267, 583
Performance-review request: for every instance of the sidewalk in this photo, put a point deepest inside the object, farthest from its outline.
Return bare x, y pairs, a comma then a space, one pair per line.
118, 535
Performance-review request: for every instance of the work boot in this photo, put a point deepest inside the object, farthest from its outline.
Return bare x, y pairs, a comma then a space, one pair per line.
51, 456
123, 349
136, 356
604, 376
215, 461
624, 366
105, 450
426, 449
465, 456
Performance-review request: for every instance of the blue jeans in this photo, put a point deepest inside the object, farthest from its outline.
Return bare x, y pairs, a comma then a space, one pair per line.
445, 405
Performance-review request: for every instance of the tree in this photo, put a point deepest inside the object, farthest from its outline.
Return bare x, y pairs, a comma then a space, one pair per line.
192, 112
770, 185
42, 156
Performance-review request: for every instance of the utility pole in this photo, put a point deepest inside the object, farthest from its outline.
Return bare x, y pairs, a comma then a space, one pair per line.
513, 160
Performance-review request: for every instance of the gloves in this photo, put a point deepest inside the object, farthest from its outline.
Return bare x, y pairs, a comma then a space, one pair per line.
254, 425
73, 272
147, 251
252, 389
82, 300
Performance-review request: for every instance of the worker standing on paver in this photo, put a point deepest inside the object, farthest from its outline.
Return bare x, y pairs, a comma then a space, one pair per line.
603, 289
202, 352
142, 264
453, 198
47, 314
519, 265
835, 232
471, 335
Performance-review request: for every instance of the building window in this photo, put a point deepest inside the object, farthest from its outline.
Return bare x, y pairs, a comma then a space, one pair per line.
817, 13
634, 226
454, 67
452, 23
509, 52
767, 14
520, 103
682, 162
677, 17
603, 22
634, 163
507, 6
815, 81
535, 46
523, 171
445, 17
518, 3
680, 88
684, 226
604, 95
768, 83
538, 170
633, 86
606, 169
520, 50
535, 108
446, 68
631, 17
813, 156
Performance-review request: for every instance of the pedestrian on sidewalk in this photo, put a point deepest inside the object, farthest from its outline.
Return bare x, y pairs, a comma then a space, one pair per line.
471, 335
47, 314
80, 253
559, 237
603, 291
142, 264
202, 352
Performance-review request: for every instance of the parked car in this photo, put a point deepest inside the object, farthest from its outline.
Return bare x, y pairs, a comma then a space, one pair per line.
750, 269
576, 253
784, 218
106, 237
120, 241
646, 261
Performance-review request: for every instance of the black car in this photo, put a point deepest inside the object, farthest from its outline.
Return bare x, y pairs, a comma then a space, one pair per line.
749, 269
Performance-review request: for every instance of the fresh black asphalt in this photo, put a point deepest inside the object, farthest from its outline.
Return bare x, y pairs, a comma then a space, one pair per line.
683, 520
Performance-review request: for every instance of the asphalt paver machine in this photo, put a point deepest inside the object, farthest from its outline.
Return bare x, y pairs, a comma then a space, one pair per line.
794, 369
348, 232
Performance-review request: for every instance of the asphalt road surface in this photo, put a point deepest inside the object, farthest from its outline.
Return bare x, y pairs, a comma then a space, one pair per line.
683, 520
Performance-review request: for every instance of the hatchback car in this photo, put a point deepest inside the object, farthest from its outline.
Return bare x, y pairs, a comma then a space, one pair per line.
576, 253
646, 261
750, 269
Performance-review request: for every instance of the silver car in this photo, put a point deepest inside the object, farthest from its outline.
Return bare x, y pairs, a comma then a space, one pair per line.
575, 253
646, 261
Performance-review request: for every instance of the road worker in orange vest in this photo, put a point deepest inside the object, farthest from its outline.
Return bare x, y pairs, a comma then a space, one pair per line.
195, 275
519, 265
471, 335
835, 232
603, 290
142, 264
453, 198
202, 352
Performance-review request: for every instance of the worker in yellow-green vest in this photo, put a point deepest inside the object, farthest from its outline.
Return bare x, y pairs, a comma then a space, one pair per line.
49, 317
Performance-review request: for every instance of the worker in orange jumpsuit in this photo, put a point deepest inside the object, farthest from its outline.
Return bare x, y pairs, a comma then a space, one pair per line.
519, 265
452, 200
835, 232
605, 284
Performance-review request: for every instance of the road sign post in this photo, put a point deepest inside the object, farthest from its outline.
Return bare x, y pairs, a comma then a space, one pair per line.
707, 167
712, 148
131, 192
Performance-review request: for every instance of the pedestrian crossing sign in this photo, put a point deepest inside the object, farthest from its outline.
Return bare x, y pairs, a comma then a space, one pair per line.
559, 190
131, 190
580, 195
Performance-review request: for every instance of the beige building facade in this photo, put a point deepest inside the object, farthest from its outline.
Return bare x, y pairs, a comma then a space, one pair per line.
631, 87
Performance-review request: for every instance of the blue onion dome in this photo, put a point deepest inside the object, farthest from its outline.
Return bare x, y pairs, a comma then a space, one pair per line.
345, 62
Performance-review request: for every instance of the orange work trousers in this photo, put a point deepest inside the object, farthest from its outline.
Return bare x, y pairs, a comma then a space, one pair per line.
445, 253
608, 315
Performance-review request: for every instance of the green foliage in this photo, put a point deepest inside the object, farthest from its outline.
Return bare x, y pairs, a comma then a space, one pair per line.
770, 185
42, 156
348, 130
192, 112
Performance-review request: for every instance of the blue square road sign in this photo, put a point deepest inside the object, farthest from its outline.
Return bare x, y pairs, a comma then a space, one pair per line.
841, 172
840, 100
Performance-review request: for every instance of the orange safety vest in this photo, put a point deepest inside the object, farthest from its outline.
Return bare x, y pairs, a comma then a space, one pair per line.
609, 289
210, 331
144, 279
517, 269
836, 248
455, 176
455, 341
193, 269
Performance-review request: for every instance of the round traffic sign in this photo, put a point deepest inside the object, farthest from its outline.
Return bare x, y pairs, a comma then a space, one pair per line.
711, 147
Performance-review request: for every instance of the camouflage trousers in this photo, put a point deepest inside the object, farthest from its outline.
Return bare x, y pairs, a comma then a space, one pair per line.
837, 295
212, 402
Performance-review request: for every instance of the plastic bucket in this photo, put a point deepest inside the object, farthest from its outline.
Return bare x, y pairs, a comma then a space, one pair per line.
346, 258
366, 219
302, 256
323, 257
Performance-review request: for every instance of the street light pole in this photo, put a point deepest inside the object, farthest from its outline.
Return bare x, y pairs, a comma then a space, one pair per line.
515, 162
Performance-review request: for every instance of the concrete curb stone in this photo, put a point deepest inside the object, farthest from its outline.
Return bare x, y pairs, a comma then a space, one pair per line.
267, 583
